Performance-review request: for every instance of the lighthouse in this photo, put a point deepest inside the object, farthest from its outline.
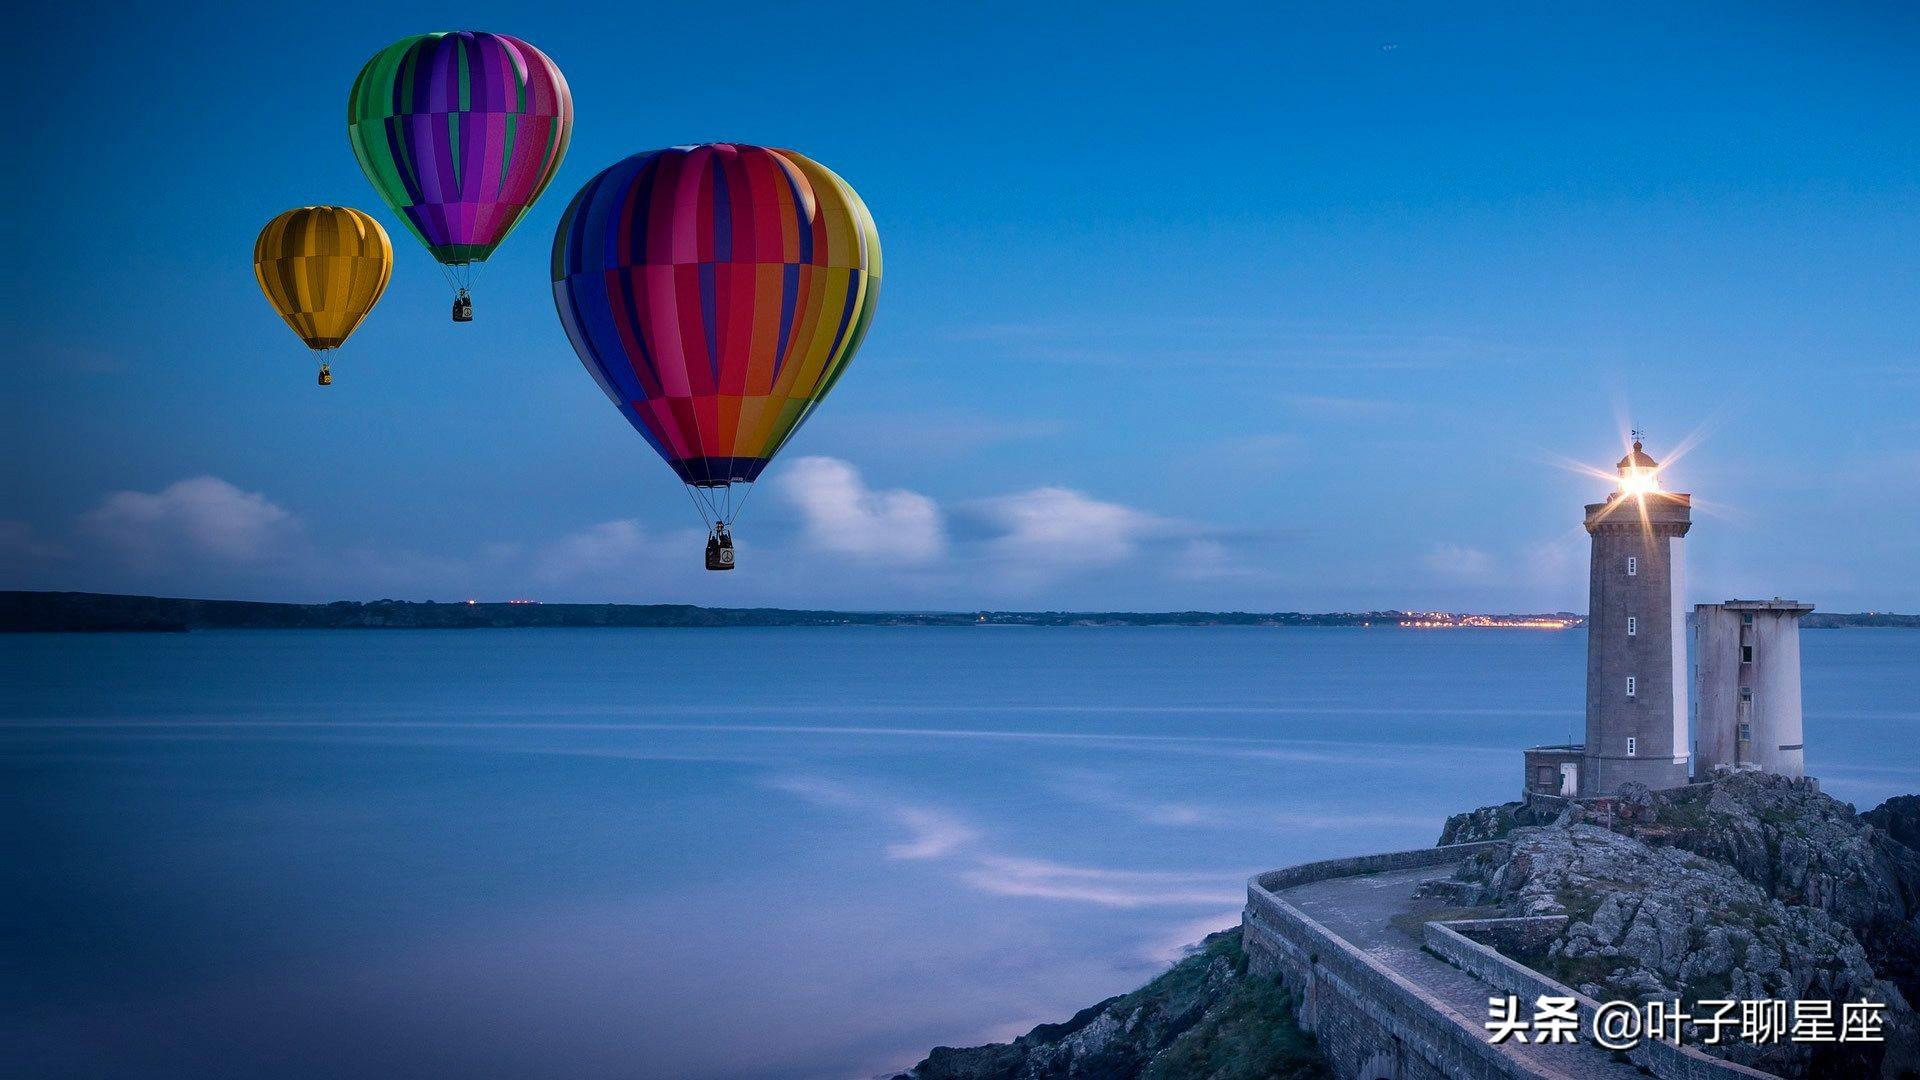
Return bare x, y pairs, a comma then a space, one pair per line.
1746, 661
1636, 634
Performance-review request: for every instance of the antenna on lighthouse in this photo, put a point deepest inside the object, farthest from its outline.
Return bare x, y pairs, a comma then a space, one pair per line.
1638, 438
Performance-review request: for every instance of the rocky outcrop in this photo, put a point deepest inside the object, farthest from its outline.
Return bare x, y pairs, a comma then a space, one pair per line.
1753, 886
1491, 823
1801, 847
1205, 1018
1898, 817
1649, 922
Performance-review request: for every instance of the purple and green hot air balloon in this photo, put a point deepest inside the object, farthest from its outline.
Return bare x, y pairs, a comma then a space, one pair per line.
460, 133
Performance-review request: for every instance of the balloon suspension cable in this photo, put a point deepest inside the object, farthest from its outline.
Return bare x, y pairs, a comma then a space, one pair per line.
716, 504
713, 499
459, 276
699, 506
735, 510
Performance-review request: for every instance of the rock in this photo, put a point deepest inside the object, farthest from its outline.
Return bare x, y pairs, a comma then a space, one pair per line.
1491, 823
1661, 922
1899, 818
1798, 845
1205, 1018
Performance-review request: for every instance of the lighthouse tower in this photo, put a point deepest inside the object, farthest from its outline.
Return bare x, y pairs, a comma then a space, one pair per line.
1636, 634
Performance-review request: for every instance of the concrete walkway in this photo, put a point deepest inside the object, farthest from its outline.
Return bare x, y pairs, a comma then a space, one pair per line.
1362, 910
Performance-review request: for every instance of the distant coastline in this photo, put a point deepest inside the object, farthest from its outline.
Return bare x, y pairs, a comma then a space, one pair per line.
57, 612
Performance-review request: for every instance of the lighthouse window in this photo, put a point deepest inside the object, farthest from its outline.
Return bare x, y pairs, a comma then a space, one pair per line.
1633, 626
1746, 618
1746, 732
1633, 685
1746, 654
1633, 744
1746, 695
1633, 565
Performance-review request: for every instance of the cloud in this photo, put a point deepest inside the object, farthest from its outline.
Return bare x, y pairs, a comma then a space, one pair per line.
1056, 526
205, 535
931, 833
1267, 453
1460, 563
841, 514
1176, 814
1328, 406
1559, 566
1160, 342
1207, 560
941, 433
204, 516
611, 547
21, 544
1046, 880
936, 834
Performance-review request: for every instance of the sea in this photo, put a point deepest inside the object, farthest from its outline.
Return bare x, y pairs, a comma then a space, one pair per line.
769, 853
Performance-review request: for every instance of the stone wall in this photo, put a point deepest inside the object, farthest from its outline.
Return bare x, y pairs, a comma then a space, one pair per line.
1372, 1024
1523, 934
1662, 1059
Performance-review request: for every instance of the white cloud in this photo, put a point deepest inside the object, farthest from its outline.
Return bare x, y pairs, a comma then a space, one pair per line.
204, 516
936, 834
931, 833
1460, 563
1350, 408
1042, 879
1055, 526
21, 544
1557, 566
843, 515
1202, 559
609, 548
204, 535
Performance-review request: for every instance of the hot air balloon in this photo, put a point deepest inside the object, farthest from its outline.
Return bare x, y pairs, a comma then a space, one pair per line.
323, 268
716, 293
460, 133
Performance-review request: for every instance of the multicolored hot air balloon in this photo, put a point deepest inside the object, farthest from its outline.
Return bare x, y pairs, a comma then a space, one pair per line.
323, 268
716, 293
460, 133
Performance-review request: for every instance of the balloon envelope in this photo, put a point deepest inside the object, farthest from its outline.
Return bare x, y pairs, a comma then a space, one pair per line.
323, 268
716, 293
460, 133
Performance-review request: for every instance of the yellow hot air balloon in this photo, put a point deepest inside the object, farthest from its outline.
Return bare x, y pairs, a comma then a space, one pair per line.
323, 268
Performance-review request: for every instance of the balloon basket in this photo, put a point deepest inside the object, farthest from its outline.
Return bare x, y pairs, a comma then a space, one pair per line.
719, 553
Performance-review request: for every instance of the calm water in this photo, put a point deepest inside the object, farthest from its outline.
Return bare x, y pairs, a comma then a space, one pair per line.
785, 853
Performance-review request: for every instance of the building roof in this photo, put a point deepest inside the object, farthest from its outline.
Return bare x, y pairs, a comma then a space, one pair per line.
1775, 604
1638, 459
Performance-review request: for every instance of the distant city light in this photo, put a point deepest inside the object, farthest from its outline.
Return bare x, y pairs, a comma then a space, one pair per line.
1442, 620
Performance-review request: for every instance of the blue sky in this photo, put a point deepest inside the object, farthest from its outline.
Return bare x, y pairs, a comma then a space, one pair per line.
1255, 308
